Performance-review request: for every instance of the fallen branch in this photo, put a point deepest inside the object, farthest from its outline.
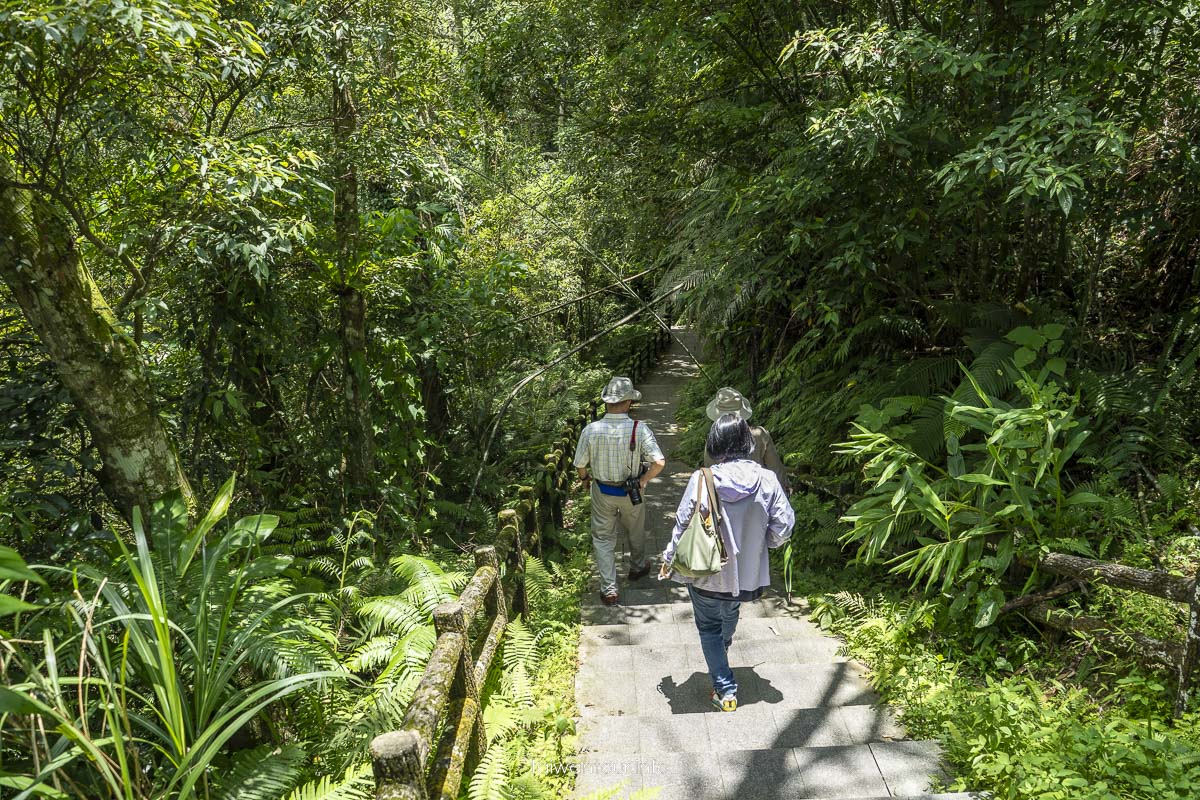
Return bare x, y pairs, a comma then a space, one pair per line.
1057, 590
1159, 584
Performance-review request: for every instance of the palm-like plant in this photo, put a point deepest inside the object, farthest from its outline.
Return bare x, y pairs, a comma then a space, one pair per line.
168, 656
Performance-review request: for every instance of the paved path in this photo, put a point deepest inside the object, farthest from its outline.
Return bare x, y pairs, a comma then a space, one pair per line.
807, 724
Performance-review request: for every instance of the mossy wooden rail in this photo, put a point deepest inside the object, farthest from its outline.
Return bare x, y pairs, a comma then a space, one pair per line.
442, 736
1181, 658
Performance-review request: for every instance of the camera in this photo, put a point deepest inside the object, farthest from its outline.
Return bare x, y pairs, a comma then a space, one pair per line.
633, 487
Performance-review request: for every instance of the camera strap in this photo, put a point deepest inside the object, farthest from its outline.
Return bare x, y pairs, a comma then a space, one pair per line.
633, 449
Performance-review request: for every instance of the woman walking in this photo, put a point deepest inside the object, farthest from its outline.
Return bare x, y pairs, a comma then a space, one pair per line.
754, 516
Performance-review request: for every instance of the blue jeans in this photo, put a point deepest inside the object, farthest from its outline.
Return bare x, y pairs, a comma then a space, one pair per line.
716, 620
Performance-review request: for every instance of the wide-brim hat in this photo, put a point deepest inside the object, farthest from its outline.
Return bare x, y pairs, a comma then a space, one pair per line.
728, 401
620, 389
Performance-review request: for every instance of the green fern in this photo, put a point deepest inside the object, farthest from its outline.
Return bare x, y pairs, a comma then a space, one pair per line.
490, 780
393, 613
520, 662
500, 717
537, 579
889, 328
520, 645
262, 773
526, 787
427, 584
355, 784
372, 654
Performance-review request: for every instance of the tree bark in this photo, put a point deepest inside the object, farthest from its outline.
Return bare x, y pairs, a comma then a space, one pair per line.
359, 447
98, 363
1159, 584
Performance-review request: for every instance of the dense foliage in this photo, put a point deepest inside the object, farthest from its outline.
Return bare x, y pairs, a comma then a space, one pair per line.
951, 250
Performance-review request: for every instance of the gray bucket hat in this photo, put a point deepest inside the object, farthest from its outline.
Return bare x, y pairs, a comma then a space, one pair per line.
728, 401
620, 389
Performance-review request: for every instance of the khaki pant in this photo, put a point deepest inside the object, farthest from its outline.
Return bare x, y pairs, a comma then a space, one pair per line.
610, 513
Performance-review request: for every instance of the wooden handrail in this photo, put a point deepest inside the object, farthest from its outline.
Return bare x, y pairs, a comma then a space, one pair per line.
448, 696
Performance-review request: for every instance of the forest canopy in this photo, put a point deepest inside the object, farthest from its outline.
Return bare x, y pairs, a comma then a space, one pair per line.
284, 261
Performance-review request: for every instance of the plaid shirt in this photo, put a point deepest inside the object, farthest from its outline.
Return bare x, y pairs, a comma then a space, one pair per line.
604, 448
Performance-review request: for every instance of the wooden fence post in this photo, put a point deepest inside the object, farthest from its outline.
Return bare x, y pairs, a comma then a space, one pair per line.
509, 518
399, 766
529, 519
493, 604
449, 618
559, 484
1191, 653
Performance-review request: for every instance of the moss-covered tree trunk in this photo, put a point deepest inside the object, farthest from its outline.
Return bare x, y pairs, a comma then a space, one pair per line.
98, 364
359, 446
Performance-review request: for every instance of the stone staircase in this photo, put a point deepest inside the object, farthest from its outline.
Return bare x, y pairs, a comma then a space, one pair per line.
808, 724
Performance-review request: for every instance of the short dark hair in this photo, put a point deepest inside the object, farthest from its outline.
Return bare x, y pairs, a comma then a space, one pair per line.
729, 438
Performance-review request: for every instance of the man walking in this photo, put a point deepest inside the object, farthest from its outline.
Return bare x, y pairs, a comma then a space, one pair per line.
611, 450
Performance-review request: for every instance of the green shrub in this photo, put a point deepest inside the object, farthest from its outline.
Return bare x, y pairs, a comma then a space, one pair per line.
1016, 735
133, 683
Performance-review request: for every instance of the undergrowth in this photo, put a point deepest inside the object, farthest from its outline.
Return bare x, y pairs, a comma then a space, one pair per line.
1015, 714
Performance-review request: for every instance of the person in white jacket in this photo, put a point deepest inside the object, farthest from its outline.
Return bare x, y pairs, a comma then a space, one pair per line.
755, 517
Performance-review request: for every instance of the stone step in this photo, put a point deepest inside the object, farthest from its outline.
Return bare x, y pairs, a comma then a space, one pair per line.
669, 691
749, 728
648, 605
673, 646
864, 771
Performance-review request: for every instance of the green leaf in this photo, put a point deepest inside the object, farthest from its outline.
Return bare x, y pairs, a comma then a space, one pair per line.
14, 702
216, 513
962, 598
1023, 357
990, 602
1082, 498
1054, 330
13, 567
1064, 202
1004, 553
26, 783
259, 526
1058, 366
1027, 337
11, 605
980, 478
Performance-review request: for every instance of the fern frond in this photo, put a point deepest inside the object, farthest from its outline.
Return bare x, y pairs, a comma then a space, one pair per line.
395, 614
537, 579
526, 787
500, 717
559, 571
520, 645
428, 585
517, 683
491, 777
355, 784
262, 773
372, 654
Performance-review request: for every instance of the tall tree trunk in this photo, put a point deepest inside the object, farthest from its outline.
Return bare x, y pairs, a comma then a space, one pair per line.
98, 364
359, 447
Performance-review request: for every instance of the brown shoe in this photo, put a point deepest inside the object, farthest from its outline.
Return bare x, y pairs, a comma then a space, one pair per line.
638, 574
609, 599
